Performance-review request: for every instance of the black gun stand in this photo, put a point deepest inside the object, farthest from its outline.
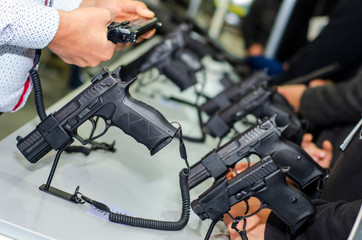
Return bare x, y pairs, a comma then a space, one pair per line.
55, 191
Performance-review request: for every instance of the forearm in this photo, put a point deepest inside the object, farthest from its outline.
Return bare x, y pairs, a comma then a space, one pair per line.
332, 105
29, 24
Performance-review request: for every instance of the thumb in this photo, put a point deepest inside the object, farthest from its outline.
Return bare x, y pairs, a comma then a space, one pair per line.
145, 12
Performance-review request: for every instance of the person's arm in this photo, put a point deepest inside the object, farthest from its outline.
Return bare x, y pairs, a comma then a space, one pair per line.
326, 104
257, 25
66, 5
333, 104
27, 24
337, 44
333, 220
82, 35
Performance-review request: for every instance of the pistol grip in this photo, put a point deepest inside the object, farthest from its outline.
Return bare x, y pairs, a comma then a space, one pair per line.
178, 74
288, 203
144, 123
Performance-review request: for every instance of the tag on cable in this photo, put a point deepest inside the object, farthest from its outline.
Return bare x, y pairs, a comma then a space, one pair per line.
104, 215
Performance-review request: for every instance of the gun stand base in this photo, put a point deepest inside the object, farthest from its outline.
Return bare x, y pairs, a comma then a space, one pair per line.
59, 193
55, 191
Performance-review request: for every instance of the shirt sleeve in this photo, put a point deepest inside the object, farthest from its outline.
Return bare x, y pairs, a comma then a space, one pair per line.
333, 220
66, 5
334, 104
28, 24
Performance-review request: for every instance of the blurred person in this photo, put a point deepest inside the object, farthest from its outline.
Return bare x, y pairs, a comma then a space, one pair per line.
329, 109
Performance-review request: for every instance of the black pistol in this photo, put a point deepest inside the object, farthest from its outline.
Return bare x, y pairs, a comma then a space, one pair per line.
175, 56
107, 97
262, 139
260, 102
234, 92
264, 180
129, 31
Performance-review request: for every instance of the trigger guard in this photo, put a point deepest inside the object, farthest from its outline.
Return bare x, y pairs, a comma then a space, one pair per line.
254, 213
85, 142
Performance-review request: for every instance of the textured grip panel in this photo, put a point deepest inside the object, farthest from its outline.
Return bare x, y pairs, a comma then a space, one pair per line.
142, 130
303, 169
144, 123
288, 203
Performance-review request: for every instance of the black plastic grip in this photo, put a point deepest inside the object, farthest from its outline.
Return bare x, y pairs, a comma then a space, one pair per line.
284, 117
199, 48
177, 72
288, 203
212, 105
144, 123
303, 169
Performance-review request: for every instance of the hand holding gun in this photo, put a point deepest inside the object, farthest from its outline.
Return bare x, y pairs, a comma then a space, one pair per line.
262, 139
264, 180
107, 97
259, 102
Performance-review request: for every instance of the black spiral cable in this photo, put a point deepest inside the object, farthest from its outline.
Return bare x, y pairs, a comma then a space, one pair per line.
39, 103
150, 223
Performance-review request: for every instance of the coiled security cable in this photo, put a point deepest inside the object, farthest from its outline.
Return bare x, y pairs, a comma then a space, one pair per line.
150, 223
39, 103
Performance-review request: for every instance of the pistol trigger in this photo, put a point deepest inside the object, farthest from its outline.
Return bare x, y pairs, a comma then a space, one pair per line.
93, 124
99, 135
248, 160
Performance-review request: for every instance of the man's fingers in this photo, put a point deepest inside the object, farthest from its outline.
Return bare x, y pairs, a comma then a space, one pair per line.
327, 145
308, 137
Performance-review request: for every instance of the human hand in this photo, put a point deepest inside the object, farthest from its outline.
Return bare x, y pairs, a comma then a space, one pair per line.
239, 167
81, 38
322, 156
293, 94
319, 82
77, 43
255, 225
255, 49
123, 10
